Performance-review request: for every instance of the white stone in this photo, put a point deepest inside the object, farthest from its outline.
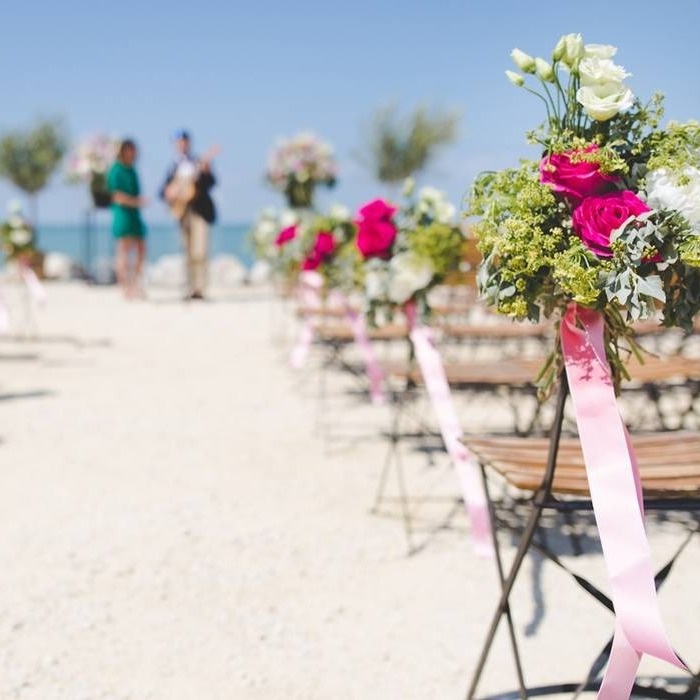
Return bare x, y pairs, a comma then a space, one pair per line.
260, 272
227, 271
58, 266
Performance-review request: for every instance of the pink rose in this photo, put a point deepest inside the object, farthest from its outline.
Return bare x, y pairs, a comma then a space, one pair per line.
323, 248
286, 235
376, 229
597, 217
572, 177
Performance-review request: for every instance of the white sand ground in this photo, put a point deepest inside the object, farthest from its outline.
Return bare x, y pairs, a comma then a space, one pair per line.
174, 525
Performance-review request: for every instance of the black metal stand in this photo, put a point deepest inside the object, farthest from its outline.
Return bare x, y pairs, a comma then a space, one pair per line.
88, 230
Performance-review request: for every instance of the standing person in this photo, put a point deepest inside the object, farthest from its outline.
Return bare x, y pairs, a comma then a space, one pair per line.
127, 226
186, 190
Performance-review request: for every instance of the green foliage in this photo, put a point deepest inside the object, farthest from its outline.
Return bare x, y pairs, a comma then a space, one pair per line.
397, 147
440, 243
29, 158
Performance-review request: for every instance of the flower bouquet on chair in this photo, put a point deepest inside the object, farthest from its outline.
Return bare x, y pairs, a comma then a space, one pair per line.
89, 163
601, 230
607, 218
300, 164
18, 238
404, 253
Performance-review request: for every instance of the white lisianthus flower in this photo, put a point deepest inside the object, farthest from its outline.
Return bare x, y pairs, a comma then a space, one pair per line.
434, 204
515, 78
288, 218
679, 191
544, 70
569, 50
524, 61
601, 71
409, 274
376, 282
409, 185
20, 237
15, 220
599, 51
603, 102
339, 212
266, 229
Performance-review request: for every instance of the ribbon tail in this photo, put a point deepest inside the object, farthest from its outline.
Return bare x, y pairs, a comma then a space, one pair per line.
309, 294
441, 399
300, 352
615, 487
369, 357
35, 288
622, 668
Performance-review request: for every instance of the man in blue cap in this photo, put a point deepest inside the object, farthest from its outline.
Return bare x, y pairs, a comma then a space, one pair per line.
186, 190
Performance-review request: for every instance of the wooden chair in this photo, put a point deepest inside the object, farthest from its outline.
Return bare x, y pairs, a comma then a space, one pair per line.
549, 473
512, 381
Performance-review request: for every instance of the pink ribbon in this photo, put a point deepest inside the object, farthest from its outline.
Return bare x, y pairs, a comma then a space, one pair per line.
4, 316
309, 295
615, 486
34, 286
438, 390
369, 356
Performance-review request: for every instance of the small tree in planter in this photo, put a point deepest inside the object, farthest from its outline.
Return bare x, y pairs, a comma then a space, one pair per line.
29, 158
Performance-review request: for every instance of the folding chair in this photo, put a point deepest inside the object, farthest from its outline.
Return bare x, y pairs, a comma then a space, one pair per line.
511, 380
552, 474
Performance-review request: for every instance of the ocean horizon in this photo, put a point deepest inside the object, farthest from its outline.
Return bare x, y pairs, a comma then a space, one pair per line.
162, 239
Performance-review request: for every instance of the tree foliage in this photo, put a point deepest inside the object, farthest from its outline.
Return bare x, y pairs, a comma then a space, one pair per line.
398, 146
28, 158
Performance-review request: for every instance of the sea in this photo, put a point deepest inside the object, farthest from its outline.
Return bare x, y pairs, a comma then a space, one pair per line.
90, 244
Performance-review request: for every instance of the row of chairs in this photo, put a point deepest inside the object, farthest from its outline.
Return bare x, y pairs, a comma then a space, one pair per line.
537, 460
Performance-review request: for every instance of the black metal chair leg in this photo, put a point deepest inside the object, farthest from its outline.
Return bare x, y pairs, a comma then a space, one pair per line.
538, 504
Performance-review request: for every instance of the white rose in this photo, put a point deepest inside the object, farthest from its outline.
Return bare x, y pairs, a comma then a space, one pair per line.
266, 229
20, 237
409, 274
524, 61
599, 50
665, 192
434, 204
375, 284
288, 218
339, 212
603, 102
601, 71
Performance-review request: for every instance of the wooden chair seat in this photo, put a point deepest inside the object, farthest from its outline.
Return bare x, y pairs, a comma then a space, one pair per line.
669, 463
496, 331
323, 312
342, 333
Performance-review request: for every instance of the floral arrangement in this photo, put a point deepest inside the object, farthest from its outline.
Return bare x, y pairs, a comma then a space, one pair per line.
405, 252
293, 242
17, 235
298, 165
607, 217
89, 163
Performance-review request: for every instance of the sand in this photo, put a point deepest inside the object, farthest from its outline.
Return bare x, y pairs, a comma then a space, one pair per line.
180, 518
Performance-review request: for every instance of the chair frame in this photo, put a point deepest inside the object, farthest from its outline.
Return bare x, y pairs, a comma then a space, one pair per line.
544, 498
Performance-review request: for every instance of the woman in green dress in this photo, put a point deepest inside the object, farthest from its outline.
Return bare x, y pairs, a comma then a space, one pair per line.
127, 226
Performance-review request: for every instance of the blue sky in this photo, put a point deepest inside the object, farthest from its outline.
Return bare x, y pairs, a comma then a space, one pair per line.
243, 74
